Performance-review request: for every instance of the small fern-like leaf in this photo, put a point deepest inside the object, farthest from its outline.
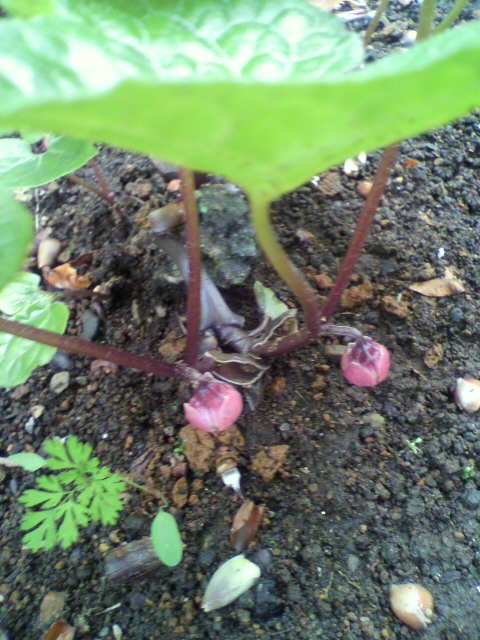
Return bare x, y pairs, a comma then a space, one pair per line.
67, 531
44, 536
81, 492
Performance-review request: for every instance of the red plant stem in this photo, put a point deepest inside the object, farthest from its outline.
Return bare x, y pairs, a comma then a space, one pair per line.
194, 265
107, 194
91, 187
365, 220
304, 337
97, 351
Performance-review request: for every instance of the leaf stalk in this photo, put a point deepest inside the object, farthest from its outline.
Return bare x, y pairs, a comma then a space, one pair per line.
82, 347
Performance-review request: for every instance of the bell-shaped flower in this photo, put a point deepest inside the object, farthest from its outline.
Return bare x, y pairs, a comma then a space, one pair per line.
366, 363
214, 406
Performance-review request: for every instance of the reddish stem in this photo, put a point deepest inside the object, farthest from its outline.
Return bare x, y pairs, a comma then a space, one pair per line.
107, 194
365, 220
304, 337
91, 187
194, 265
97, 351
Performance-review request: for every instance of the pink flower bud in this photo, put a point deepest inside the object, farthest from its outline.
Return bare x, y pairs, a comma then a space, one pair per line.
214, 406
366, 363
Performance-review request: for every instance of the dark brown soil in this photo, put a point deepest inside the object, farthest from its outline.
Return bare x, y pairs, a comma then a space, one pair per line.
358, 505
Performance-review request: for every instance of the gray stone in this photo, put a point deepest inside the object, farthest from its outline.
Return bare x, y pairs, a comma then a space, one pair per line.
59, 382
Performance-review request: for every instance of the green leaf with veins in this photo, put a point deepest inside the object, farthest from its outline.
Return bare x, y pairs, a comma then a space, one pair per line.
20, 168
266, 93
16, 232
81, 493
23, 301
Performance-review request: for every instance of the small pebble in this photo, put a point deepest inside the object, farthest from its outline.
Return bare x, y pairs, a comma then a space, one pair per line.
61, 361
48, 250
471, 499
456, 315
59, 382
51, 607
90, 323
29, 425
37, 411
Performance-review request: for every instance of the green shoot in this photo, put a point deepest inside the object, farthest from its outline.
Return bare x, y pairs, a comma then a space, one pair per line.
468, 472
80, 493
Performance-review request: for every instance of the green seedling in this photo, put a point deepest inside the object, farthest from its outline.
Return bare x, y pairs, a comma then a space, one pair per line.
468, 472
79, 491
413, 445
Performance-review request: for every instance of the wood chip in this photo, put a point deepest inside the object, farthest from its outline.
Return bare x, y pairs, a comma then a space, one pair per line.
245, 525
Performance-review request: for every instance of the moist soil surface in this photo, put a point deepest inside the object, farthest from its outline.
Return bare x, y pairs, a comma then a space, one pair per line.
379, 486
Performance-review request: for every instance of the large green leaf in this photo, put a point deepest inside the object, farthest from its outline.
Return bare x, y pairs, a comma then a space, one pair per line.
267, 93
16, 232
23, 301
20, 168
28, 8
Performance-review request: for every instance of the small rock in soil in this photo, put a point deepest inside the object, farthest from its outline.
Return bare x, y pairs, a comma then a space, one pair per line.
180, 493
51, 607
89, 322
59, 382
471, 498
268, 462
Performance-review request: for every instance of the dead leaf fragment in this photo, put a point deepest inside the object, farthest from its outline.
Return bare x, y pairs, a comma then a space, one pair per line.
355, 296
245, 525
267, 462
449, 285
433, 356
180, 493
59, 630
65, 277
396, 307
